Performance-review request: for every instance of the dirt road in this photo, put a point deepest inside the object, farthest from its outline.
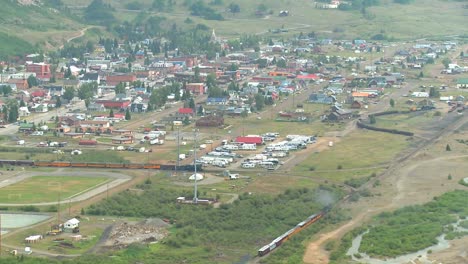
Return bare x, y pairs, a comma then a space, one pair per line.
406, 182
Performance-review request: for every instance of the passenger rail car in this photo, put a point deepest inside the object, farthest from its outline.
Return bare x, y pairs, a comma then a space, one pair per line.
62, 164
286, 236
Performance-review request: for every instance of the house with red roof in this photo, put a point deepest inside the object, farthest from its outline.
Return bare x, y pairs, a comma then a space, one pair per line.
186, 111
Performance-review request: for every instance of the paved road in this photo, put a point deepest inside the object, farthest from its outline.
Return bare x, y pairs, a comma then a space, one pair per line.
118, 179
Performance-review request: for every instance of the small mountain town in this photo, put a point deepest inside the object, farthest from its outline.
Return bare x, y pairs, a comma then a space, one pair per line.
167, 144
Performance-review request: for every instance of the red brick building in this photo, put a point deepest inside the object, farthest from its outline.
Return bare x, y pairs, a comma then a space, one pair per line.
114, 104
113, 80
42, 70
21, 84
196, 88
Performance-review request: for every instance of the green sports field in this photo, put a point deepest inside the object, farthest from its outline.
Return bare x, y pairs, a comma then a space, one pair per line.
38, 189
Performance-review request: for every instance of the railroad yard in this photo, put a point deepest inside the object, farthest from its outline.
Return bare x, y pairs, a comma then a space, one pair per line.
401, 156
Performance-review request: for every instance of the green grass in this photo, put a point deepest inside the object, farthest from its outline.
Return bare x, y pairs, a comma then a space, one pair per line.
362, 149
406, 122
47, 188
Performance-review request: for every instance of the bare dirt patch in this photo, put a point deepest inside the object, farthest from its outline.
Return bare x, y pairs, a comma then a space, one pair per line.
126, 233
415, 183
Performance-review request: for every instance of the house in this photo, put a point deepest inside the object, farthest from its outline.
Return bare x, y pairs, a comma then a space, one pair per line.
115, 104
71, 224
95, 107
123, 132
359, 96
420, 94
319, 98
210, 121
26, 127
40, 108
339, 114
356, 105
113, 80
122, 140
216, 101
186, 111
20, 84
23, 111
462, 83
94, 126
196, 88
90, 78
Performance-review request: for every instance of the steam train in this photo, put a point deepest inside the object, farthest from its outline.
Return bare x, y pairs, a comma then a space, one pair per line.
284, 237
98, 165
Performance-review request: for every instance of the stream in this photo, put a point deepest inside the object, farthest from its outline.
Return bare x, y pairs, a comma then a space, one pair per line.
420, 255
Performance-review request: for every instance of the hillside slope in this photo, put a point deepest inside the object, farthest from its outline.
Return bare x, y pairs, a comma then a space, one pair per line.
36, 25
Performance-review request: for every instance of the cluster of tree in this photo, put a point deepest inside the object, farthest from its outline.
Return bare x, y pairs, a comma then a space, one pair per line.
159, 96
163, 5
99, 12
200, 9
10, 111
87, 90
358, 5
5, 90
252, 220
408, 229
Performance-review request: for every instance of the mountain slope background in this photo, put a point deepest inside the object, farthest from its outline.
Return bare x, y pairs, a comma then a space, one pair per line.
48, 24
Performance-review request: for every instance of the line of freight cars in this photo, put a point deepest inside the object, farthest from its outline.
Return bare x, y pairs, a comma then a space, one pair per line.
62, 164
284, 237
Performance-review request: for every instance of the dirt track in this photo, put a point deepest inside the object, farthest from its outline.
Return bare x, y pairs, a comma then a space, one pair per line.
413, 179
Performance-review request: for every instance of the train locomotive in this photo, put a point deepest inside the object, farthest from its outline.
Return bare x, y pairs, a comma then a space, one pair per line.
284, 237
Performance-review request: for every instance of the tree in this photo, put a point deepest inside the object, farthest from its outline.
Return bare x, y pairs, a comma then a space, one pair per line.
392, 102
111, 113
196, 76
446, 62
200, 111
32, 81
127, 114
87, 90
372, 119
22, 103
58, 102
6, 90
120, 88
433, 92
191, 103
233, 86
234, 8
448, 148
13, 113
281, 63
69, 93
421, 74
259, 101
87, 102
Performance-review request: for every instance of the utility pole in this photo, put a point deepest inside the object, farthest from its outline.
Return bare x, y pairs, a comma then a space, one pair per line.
195, 197
0, 234
178, 149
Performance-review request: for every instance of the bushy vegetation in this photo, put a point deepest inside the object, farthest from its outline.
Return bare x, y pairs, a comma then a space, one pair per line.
246, 225
409, 229
13, 46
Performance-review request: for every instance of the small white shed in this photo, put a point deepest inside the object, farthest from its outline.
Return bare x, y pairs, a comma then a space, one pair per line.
72, 223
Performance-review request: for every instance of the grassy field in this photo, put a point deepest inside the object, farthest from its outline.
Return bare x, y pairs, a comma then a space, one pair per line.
47, 188
406, 122
416, 20
362, 149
